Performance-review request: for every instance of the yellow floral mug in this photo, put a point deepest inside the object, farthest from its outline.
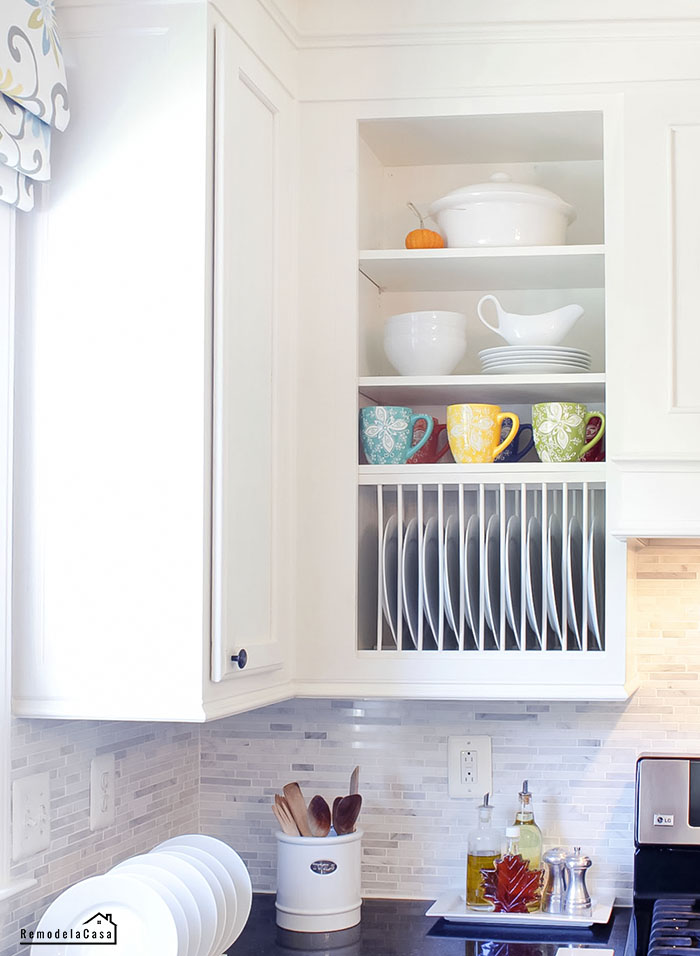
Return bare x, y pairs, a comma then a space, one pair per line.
474, 432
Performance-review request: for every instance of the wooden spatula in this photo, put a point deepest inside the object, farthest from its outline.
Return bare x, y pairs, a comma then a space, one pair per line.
284, 818
297, 807
355, 781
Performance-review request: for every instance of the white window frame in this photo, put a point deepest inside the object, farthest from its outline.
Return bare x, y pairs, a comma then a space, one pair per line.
7, 303
7, 316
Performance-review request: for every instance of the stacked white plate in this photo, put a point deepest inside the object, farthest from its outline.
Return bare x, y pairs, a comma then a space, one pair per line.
190, 896
540, 360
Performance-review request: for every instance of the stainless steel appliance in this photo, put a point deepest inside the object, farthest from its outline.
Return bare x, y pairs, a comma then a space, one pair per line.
666, 884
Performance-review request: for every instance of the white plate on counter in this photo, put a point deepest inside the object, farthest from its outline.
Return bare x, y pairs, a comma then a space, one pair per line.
235, 866
144, 920
453, 907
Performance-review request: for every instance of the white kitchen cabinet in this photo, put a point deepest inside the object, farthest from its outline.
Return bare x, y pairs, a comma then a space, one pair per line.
155, 354
656, 343
369, 159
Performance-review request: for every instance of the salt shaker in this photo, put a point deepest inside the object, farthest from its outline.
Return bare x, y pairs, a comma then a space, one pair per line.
576, 898
554, 880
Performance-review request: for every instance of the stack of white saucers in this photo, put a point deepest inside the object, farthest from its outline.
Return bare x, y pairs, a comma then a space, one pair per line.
190, 896
539, 360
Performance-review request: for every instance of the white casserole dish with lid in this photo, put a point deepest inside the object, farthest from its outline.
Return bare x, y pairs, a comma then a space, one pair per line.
502, 213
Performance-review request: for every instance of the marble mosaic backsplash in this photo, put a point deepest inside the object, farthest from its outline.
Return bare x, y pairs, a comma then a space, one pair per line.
220, 777
156, 796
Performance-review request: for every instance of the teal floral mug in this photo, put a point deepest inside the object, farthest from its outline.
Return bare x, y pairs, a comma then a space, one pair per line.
387, 433
559, 430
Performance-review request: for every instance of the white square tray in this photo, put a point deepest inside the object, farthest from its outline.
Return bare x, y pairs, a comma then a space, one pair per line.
452, 906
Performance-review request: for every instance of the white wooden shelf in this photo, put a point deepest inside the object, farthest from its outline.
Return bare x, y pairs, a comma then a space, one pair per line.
452, 389
594, 473
474, 270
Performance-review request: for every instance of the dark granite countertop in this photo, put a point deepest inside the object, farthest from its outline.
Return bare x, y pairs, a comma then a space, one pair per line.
400, 928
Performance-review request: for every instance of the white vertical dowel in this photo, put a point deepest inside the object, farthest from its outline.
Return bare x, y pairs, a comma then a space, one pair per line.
482, 524
566, 611
523, 567
420, 567
585, 537
380, 564
460, 503
544, 627
399, 567
501, 610
441, 567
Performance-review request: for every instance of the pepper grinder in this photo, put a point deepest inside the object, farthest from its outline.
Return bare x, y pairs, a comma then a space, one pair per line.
554, 880
577, 900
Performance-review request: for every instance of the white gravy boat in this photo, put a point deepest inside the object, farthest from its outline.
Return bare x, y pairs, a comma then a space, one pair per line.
548, 328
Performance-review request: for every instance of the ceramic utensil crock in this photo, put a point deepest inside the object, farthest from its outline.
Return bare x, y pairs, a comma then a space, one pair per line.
318, 882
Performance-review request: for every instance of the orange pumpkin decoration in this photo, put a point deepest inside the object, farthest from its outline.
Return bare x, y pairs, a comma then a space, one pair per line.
423, 238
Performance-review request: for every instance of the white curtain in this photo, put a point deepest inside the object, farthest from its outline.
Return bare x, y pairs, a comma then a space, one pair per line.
33, 96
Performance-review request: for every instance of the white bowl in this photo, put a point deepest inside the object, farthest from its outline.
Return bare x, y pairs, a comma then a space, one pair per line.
425, 343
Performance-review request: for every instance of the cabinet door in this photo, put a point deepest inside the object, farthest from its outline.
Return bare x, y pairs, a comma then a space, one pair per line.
654, 333
253, 168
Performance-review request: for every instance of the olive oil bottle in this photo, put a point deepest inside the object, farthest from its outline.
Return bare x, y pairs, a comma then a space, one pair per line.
483, 849
530, 834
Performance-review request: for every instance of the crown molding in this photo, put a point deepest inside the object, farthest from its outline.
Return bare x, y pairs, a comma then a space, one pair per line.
491, 31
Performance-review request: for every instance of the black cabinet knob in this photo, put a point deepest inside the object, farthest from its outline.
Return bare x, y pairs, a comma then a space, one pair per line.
241, 658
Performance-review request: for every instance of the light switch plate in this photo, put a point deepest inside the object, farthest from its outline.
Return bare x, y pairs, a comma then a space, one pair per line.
102, 791
31, 824
469, 766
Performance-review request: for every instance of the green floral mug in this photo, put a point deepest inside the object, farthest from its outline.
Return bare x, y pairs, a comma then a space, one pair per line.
559, 430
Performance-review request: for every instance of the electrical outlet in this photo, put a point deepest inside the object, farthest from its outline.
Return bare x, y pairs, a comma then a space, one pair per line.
31, 824
468, 766
102, 791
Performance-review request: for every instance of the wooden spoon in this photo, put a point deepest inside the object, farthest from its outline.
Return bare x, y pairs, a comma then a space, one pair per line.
319, 816
346, 813
355, 781
297, 807
284, 815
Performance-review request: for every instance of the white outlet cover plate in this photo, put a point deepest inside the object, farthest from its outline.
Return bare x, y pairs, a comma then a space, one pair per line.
31, 821
481, 784
102, 791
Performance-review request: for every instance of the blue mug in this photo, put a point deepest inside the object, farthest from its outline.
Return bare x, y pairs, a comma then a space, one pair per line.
513, 452
387, 433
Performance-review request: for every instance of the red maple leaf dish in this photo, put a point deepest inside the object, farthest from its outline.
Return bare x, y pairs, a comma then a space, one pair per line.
511, 885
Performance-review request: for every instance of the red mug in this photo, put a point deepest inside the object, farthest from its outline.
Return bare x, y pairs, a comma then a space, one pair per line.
432, 451
597, 453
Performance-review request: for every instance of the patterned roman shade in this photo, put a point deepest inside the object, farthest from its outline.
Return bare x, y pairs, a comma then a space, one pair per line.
33, 96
